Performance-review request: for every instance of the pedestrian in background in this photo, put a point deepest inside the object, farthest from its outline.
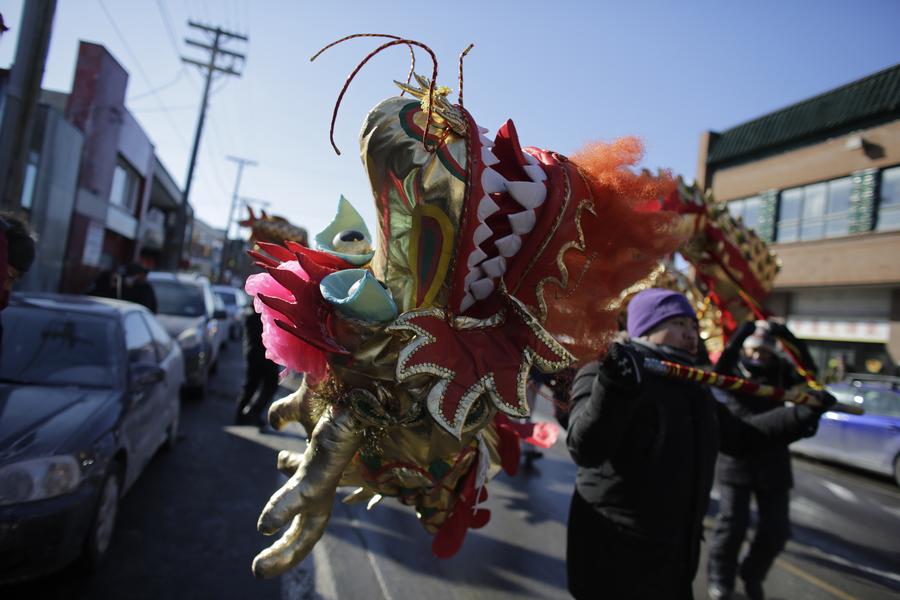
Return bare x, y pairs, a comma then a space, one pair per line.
646, 448
753, 354
135, 287
17, 251
261, 379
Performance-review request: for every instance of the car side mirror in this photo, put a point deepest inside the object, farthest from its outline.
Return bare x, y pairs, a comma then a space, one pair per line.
220, 314
143, 375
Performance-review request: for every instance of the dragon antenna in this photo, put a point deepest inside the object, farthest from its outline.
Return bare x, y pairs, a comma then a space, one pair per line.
461, 57
396, 41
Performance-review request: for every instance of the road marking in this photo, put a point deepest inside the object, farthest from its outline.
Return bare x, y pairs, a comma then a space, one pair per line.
835, 471
840, 491
376, 570
795, 570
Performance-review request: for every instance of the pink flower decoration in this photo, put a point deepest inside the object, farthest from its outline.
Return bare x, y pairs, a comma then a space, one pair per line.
282, 347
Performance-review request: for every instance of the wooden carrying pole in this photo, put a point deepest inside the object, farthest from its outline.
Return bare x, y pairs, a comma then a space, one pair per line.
671, 370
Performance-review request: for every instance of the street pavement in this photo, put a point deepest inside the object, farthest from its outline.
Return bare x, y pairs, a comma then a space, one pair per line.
188, 530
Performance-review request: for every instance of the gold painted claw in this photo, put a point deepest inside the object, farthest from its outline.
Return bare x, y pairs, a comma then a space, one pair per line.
304, 503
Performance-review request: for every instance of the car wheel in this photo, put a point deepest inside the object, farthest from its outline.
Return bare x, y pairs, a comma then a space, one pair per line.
897, 469
103, 524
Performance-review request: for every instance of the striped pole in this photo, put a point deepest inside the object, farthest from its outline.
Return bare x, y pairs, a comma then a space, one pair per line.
671, 370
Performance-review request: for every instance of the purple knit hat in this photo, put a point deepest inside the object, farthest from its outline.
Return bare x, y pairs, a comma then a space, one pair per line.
651, 307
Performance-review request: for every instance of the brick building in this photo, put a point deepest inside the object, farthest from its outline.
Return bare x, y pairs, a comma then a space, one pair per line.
821, 180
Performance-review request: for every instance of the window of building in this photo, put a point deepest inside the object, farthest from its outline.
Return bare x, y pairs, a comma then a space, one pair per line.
124, 189
28, 185
748, 209
889, 200
815, 211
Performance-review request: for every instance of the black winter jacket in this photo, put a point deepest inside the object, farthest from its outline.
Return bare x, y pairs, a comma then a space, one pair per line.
647, 458
770, 466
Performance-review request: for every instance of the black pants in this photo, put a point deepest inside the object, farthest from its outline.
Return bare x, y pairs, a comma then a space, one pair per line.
603, 562
260, 386
772, 532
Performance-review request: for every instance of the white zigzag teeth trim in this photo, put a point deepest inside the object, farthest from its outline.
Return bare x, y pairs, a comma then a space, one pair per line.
493, 182
482, 232
527, 193
535, 172
482, 288
488, 158
486, 208
509, 245
476, 257
494, 267
474, 274
522, 222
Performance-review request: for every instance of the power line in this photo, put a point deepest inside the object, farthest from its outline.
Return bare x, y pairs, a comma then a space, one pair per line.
140, 69
216, 36
160, 88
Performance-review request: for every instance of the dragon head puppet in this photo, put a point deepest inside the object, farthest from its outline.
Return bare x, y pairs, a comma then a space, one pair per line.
487, 260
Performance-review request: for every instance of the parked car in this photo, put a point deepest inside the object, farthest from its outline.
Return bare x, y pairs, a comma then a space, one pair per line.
870, 441
236, 302
88, 394
186, 307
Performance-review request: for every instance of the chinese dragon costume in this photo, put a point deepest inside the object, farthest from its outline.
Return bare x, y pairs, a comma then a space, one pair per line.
488, 259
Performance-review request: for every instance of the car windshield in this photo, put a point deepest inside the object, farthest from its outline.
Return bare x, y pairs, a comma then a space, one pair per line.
173, 298
227, 297
53, 347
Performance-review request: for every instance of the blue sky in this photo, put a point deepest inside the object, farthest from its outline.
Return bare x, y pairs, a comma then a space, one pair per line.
565, 72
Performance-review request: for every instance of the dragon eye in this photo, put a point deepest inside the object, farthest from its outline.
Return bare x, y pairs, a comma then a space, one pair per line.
351, 241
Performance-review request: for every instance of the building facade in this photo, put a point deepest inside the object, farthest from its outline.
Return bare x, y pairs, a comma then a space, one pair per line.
94, 190
820, 179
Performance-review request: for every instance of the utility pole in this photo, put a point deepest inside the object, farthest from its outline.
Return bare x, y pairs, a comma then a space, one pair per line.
241, 163
23, 92
216, 36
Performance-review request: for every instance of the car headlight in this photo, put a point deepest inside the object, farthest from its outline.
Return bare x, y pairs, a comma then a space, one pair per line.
38, 479
189, 338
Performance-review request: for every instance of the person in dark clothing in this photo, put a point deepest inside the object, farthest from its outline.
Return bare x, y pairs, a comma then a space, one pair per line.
752, 354
136, 289
261, 381
646, 449
17, 252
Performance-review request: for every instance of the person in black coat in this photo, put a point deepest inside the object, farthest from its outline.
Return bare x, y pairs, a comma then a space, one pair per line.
261, 380
752, 354
646, 449
135, 287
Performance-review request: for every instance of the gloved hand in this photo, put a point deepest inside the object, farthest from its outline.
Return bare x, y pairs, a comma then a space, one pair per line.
826, 400
745, 330
623, 366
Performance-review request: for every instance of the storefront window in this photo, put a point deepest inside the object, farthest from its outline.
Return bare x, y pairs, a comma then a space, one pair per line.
889, 200
747, 209
814, 211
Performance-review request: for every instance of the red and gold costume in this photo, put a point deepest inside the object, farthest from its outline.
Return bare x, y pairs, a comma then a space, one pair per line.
488, 259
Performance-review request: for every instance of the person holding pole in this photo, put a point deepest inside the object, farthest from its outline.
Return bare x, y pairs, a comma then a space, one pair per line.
753, 354
646, 447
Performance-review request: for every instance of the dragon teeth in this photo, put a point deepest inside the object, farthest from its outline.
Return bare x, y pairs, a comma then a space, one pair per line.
509, 245
475, 273
530, 159
482, 288
482, 232
486, 141
529, 194
476, 257
493, 182
486, 208
467, 301
535, 173
494, 267
522, 222
488, 158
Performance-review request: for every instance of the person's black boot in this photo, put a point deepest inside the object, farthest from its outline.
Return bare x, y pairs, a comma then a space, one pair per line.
717, 591
754, 589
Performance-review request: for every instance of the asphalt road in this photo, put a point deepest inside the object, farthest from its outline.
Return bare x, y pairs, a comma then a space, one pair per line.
187, 530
